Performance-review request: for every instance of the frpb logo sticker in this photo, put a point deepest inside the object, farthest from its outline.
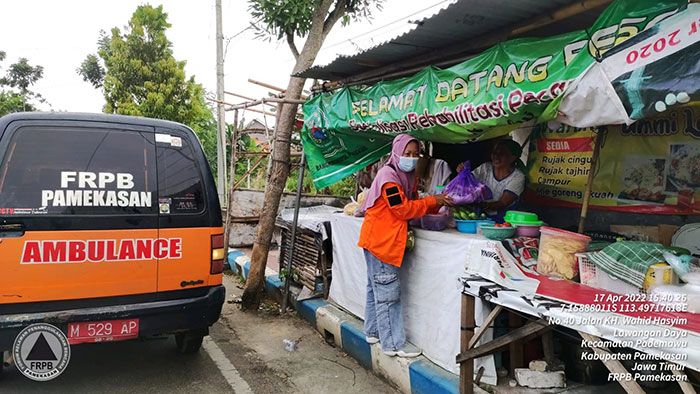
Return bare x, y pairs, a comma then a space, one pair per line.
41, 352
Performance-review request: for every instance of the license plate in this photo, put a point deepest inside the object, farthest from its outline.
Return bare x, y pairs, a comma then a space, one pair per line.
103, 331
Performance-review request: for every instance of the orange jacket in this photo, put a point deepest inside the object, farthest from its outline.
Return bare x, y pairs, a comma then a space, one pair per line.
385, 227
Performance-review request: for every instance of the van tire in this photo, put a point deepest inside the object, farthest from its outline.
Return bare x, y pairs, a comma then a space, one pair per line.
189, 342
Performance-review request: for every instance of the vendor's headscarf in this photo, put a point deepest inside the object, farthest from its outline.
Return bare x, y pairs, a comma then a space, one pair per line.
516, 150
391, 173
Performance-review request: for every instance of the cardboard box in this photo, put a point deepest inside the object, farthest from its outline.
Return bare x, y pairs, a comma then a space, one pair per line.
661, 233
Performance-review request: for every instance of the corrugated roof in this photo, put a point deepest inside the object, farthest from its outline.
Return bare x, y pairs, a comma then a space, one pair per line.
451, 26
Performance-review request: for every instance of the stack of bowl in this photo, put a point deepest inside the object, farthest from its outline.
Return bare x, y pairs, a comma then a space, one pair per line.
527, 224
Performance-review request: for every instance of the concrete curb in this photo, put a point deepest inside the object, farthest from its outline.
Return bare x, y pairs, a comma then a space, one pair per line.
415, 376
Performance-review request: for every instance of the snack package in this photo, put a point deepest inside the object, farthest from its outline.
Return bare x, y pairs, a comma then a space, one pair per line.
557, 253
466, 189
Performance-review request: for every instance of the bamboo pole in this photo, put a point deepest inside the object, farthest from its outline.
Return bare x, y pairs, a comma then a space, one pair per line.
269, 86
589, 183
266, 100
247, 182
243, 97
258, 111
239, 96
247, 174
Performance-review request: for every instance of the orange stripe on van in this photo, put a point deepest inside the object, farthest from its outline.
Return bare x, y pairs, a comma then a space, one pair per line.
64, 265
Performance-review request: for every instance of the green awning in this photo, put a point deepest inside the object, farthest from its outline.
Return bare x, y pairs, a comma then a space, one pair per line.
484, 97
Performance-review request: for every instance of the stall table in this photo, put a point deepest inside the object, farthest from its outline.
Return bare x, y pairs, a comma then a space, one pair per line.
669, 335
430, 287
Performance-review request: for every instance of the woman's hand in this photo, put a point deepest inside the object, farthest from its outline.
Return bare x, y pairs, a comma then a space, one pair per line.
444, 200
460, 167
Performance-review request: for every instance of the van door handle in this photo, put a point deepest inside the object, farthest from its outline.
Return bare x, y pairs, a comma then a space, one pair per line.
11, 230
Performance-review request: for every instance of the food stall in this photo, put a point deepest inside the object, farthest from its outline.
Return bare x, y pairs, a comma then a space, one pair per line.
523, 87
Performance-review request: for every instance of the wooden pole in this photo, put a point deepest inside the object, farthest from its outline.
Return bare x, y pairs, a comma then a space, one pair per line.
249, 104
485, 326
269, 86
589, 183
466, 368
239, 96
516, 349
255, 110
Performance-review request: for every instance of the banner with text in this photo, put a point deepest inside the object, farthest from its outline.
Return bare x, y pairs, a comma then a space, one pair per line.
483, 97
659, 173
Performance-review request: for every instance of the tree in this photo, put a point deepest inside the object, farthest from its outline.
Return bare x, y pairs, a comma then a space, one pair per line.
15, 93
139, 76
287, 19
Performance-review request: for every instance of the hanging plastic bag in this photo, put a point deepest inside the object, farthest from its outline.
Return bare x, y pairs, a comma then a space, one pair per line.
466, 189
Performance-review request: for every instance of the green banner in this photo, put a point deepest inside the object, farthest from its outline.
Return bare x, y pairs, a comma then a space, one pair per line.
484, 97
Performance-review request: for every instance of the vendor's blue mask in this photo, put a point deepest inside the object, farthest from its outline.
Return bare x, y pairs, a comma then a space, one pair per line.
407, 164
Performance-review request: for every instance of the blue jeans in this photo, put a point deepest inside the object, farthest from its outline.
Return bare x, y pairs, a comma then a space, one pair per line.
383, 317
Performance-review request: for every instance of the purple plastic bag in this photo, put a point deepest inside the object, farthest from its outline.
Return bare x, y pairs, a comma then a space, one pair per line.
466, 189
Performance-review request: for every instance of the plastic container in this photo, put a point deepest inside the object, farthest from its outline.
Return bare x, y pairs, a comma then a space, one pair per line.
434, 222
557, 254
527, 231
497, 233
466, 226
521, 218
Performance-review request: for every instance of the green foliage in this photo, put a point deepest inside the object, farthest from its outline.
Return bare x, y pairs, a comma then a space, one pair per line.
278, 18
344, 188
22, 75
92, 71
13, 102
140, 76
15, 93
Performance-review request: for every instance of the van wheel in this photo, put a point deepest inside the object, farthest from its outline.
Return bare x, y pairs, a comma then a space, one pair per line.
189, 342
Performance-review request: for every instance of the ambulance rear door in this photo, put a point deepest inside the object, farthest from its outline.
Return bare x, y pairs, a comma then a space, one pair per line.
78, 214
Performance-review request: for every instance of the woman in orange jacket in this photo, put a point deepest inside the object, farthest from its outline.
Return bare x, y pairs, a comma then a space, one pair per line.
388, 208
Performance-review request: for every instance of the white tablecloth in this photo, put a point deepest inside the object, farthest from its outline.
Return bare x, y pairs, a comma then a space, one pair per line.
430, 288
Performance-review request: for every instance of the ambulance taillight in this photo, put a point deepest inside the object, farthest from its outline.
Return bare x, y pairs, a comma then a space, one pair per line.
217, 254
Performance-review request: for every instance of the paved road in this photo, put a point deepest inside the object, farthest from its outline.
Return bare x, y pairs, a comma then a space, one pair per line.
244, 354
127, 367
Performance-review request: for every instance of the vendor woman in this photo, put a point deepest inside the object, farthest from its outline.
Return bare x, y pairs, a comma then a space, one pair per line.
388, 208
505, 177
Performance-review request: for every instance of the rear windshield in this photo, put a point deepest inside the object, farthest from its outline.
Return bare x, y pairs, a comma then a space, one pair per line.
78, 171
179, 177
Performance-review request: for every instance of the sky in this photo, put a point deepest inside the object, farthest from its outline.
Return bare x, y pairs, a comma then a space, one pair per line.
58, 35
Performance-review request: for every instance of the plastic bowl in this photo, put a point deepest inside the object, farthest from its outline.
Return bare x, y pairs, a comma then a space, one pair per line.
434, 222
497, 233
527, 231
484, 222
466, 226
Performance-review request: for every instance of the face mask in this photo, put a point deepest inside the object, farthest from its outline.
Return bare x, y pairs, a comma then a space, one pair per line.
407, 164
